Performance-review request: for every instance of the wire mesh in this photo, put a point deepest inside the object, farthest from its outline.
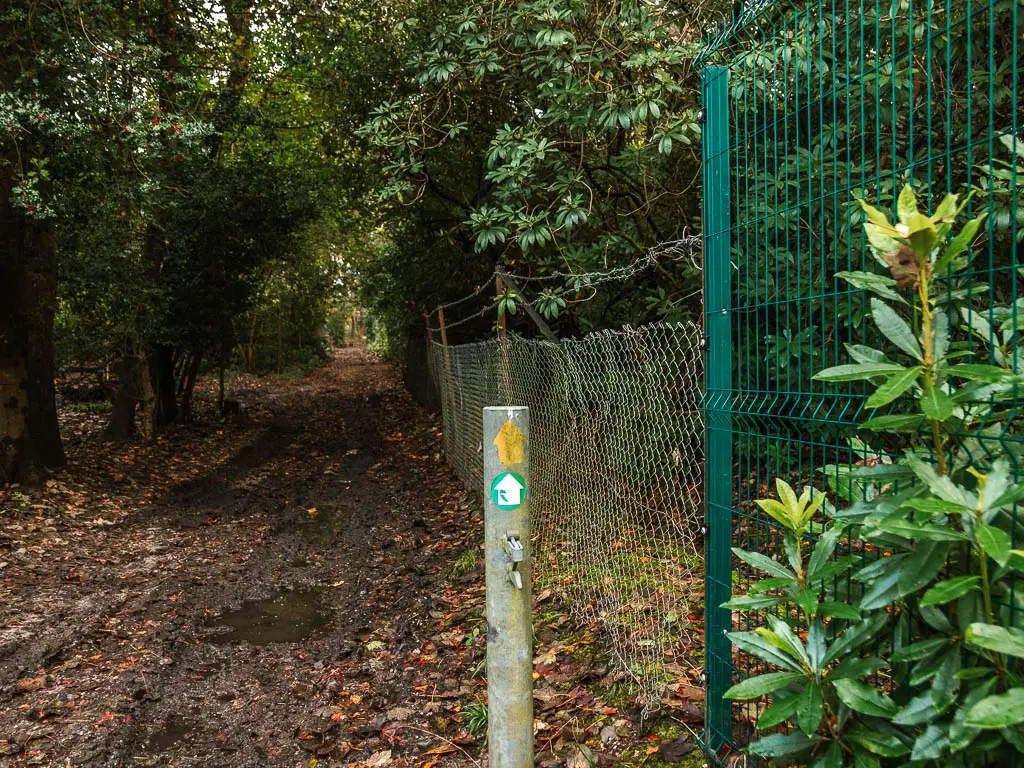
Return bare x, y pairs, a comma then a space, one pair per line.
617, 474
807, 106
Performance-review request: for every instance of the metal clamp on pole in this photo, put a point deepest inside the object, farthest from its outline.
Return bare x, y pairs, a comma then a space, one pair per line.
514, 550
506, 446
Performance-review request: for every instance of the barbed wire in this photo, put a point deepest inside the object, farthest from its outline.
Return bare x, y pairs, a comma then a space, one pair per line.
480, 289
686, 247
467, 319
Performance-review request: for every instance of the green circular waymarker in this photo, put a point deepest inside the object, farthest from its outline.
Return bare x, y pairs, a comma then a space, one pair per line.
508, 491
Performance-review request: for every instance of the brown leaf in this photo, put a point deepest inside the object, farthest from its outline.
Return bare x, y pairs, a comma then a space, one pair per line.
378, 759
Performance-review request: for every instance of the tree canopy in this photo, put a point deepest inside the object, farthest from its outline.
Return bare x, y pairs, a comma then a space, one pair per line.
190, 185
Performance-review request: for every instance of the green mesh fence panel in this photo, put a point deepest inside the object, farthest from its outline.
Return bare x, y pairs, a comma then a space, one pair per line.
617, 472
807, 105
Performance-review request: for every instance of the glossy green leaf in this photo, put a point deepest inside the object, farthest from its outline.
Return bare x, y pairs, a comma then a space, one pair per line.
931, 744
830, 758
894, 423
1007, 640
945, 683
755, 687
751, 602
874, 215
923, 565
856, 668
949, 590
777, 511
927, 532
893, 387
871, 281
1011, 495
863, 354
918, 710
906, 204
778, 712
961, 734
919, 650
949, 259
976, 372
751, 642
882, 592
998, 711
895, 328
810, 708
783, 635
863, 698
822, 551
807, 599
837, 610
936, 404
994, 542
923, 235
782, 745
855, 636
876, 741
764, 563
857, 372
884, 239
934, 506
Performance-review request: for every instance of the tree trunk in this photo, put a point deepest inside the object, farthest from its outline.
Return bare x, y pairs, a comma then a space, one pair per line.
29, 433
190, 376
18, 458
147, 399
161, 371
280, 350
125, 398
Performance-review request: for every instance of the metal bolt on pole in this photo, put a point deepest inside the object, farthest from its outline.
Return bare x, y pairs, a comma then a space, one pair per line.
509, 612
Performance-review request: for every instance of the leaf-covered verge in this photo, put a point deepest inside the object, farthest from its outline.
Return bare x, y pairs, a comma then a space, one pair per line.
891, 616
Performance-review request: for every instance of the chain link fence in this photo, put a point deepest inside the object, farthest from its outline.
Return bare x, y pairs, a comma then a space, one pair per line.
617, 472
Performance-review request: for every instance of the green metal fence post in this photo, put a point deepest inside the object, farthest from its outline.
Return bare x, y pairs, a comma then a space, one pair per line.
718, 396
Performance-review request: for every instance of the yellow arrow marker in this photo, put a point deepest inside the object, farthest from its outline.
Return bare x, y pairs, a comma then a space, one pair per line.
509, 442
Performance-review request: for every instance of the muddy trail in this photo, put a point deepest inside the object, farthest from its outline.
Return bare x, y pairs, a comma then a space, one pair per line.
300, 586
220, 619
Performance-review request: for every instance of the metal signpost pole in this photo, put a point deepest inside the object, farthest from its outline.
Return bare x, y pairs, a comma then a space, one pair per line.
509, 614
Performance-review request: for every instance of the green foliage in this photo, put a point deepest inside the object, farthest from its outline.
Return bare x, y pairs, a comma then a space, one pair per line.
199, 175
950, 691
547, 135
791, 184
475, 718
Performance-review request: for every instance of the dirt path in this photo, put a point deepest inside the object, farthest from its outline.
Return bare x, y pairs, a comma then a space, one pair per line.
238, 594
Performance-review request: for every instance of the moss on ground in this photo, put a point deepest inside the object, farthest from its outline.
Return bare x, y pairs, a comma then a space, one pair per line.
666, 729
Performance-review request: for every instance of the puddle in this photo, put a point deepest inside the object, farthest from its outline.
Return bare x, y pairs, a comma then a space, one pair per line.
172, 733
287, 617
325, 525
